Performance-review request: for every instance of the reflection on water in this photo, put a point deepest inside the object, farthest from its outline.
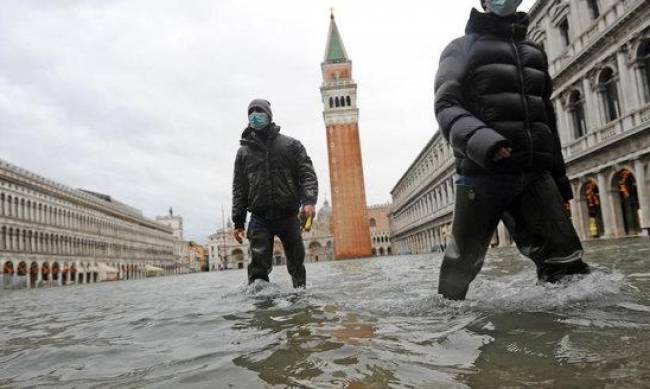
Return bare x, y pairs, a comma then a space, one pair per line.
360, 324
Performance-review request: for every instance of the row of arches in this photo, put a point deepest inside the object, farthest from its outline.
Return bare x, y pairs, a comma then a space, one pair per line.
340, 101
607, 84
436, 198
619, 198
433, 238
35, 274
437, 156
381, 251
383, 238
31, 241
35, 211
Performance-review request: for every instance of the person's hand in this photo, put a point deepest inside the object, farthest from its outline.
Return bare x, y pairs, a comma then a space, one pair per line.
309, 211
239, 235
502, 153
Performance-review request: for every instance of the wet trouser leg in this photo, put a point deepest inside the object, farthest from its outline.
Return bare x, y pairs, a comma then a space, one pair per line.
542, 230
260, 238
476, 215
288, 230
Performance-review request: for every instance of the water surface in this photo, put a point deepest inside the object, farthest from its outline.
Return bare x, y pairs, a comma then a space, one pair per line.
360, 324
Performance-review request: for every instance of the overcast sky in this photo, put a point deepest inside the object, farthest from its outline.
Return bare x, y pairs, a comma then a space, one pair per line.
146, 100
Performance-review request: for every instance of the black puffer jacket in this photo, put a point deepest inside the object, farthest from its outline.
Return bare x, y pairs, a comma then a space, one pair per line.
273, 176
493, 90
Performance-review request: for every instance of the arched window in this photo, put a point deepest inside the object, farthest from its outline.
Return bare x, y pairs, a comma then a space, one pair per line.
373, 222
564, 32
342, 101
609, 92
643, 58
336, 101
331, 102
347, 101
577, 110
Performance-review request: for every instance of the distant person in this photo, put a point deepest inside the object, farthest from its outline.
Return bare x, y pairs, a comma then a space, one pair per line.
273, 179
493, 105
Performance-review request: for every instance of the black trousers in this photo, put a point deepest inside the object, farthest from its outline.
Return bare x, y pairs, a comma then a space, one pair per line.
261, 234
532, 210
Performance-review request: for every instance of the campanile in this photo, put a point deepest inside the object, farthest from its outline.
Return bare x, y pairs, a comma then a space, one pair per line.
339, 93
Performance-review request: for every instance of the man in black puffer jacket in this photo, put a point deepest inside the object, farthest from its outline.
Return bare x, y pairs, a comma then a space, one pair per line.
273, 178
493, 106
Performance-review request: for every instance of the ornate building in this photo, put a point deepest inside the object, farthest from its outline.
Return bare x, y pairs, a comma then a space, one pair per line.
599, 56
54, 235
423, 201
182, 248
339, 93
380, 229
599, 59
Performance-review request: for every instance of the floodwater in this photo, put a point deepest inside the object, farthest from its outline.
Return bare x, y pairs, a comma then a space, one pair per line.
360, 324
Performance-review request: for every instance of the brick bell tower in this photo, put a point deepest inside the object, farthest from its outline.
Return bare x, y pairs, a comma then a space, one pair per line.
339, 93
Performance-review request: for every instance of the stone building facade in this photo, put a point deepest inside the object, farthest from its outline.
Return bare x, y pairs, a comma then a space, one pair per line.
380, 233
599, 57
339, 94
423, 201
51, 235
599, 60
175, 222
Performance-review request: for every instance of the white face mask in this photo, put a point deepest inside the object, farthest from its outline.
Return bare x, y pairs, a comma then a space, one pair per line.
503, 7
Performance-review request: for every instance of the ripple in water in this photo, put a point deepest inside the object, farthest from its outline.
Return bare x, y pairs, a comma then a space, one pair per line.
359, 324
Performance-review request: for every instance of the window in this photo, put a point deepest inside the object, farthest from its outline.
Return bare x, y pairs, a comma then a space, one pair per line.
594, 8
577, 109
564, 31
336, 100
331, 102
609, 92
347, 101
643, 56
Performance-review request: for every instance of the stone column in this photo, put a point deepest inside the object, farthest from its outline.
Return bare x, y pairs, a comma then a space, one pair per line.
576, 216
628, 103
592, 112
642, 191
563, 124
604, 192
39, 275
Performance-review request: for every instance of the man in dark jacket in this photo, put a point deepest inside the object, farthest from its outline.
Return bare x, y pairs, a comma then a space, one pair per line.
273, 178
493, 106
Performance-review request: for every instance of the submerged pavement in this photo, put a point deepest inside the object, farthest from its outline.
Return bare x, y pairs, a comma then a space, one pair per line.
366, 323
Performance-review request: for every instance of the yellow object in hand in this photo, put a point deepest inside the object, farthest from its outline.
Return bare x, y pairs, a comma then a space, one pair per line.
307, 225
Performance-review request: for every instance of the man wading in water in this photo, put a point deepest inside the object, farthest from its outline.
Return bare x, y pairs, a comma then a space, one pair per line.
493, 105
273, 178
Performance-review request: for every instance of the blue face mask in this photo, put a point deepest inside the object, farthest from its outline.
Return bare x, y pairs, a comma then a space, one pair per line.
258, 120
503, 7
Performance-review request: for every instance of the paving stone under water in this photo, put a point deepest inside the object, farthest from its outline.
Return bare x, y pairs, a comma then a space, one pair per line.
360, 324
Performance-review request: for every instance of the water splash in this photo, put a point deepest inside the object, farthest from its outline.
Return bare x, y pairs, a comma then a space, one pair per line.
523, 293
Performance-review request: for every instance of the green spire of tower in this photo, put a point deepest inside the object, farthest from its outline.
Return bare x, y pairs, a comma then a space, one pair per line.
334, 50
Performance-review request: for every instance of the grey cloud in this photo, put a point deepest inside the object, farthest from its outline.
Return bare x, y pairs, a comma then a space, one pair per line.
146, 100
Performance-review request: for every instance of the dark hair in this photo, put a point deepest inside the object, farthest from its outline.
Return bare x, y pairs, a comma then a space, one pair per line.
483, 5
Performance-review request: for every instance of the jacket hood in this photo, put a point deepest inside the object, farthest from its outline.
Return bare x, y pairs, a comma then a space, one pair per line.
511, 26
263, 104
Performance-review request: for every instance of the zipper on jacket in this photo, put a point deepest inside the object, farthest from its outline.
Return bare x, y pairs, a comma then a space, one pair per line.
524, 100
268, 174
